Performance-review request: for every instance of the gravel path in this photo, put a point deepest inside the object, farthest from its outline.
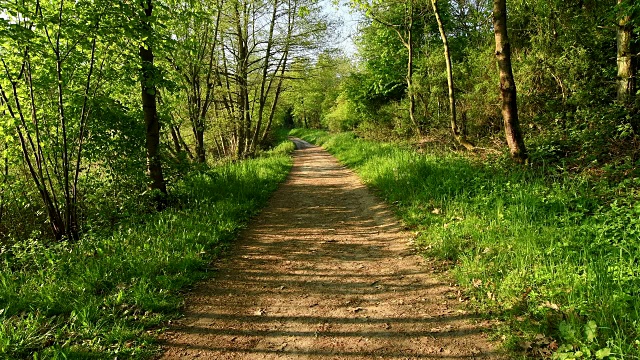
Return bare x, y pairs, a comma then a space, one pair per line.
325, 272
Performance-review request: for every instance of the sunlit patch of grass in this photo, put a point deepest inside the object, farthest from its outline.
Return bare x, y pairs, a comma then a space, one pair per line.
102, 296
551, 253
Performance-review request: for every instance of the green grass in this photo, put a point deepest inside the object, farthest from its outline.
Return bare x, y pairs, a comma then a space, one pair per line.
109, 294
548, 252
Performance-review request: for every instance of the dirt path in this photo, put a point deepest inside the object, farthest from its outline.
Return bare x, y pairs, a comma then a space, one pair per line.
325, 272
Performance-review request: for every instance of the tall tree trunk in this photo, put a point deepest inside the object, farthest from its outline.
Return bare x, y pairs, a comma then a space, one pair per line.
5, 179
626, 69
178, 142
152, 123
406, 37
266, 81
242, 80
458, 134
409, 45
293, 8
200, 150
201, 87
507, 83
412, 97
70, 213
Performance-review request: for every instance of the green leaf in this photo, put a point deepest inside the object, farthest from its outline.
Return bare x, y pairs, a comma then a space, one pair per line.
567, 331
590, 330
603, 353
303, 11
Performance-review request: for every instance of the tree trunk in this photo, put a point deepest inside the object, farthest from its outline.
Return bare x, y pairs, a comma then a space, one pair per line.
266, 81
406, 37
178, 142
152, 123
283, 67
5, 179
626, 69
409, 45
242, 80
458, 134
200, 150
412, 97
507, 83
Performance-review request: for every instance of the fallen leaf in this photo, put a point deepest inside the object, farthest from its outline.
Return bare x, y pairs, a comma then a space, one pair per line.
550, 305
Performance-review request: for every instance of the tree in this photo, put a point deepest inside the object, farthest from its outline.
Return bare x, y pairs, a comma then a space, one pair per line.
49, 57
507, 83
195, 26
259, 41
626, 83
148, 79
402, 20
314, 86
458, 133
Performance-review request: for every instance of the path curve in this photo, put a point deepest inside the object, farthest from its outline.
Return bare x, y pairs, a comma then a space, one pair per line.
325, 272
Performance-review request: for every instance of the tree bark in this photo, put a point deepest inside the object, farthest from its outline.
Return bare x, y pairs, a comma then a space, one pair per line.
199, 86
507, 84
291, 18
410, 90
626, 69
412, 97
200, 148
149, 106
242, 80
458, 134
266, 81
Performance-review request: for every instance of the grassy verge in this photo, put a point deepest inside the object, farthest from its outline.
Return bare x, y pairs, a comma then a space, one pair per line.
555, 255
104, 295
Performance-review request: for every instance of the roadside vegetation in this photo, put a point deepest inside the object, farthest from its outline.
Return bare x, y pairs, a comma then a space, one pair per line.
545, 236
135, 141
108, 294
125, 126
553, 254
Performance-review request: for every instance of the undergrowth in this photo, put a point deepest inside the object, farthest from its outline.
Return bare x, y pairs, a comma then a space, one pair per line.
555, 255
108, 294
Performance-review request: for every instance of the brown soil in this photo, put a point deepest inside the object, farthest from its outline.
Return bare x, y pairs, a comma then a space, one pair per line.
326, 272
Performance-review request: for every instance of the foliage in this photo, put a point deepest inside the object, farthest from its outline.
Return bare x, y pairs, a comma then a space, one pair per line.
562, 59
108, 293
550, 251
312, 93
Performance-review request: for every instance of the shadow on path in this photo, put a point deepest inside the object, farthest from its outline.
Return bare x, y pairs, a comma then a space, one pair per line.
325, 272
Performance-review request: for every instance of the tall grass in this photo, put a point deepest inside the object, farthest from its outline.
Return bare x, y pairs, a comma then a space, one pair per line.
551, 253
104, 295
